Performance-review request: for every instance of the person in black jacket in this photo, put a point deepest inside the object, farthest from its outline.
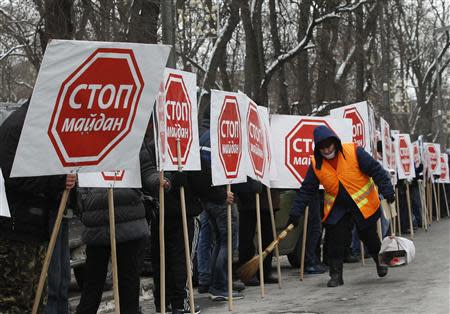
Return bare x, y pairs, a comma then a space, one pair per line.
348, 174
131, 232
24, 236
176, 274
247, 226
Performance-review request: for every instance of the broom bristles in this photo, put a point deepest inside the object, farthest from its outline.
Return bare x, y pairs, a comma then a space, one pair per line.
247, 271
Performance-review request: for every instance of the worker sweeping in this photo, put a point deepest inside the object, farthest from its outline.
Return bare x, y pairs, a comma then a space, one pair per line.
348, 174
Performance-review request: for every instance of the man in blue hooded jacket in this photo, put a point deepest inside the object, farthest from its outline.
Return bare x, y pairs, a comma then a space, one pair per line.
348, 175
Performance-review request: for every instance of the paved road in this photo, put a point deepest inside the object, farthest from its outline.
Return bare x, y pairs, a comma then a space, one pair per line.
422, 287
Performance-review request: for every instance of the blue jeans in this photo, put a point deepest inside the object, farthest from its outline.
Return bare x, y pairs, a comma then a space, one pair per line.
416, 204
59, 271
314, 231
204, 250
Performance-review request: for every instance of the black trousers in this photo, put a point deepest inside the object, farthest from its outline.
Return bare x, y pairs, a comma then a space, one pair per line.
338, 238
130, 256
247, 229
176, 274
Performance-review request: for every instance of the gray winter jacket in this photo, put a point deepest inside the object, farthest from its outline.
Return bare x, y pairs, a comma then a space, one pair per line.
129, 213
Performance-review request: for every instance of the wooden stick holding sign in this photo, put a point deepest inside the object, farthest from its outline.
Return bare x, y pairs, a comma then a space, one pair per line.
361, 246
230, 252
408, 201
261, 258
112, 235
398, 212
302, 256
445, 197
436, 202
51, 246
162, 244
438, 199
187, 254
274, 232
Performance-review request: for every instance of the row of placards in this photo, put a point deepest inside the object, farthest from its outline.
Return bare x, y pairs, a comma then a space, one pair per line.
92, 103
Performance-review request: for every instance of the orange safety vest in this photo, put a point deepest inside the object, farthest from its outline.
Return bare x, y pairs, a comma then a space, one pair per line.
360, 186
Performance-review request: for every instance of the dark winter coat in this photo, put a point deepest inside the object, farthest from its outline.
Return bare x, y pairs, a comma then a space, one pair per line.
129, 214
30, 198
343, 203
150, 184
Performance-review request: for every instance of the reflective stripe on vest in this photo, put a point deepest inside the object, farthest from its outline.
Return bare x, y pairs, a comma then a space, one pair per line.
359, 186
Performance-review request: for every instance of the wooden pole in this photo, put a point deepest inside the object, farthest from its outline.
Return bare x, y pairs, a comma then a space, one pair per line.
445, 197
361, 248
51, 246
423, 205
274, 232
438, 214
230, 253
379, 231
112, 236
305, 229
162, 244
258, 226
408, 201
187, 254
398, 212
438, 198
429, 203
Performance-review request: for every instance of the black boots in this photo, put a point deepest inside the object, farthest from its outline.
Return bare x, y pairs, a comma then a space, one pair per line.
335, 273
381, 270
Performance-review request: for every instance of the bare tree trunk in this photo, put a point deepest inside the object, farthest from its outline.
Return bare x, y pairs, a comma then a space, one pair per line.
58, 21
283, 102
360, 55
303, 82
143, 25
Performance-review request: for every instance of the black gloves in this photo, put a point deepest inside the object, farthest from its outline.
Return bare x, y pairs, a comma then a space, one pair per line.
293, 220
391, 198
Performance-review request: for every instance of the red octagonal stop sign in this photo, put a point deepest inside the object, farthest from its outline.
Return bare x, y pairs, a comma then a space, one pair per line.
432, 157
256, 140
443, 169
299, 147
230, 137
96, 106
358, 127
178, 118
404, 156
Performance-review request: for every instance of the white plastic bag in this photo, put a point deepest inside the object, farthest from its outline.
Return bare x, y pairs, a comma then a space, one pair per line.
396, 251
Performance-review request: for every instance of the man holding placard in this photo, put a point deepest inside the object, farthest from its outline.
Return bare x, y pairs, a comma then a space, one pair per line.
347, 174
24, 236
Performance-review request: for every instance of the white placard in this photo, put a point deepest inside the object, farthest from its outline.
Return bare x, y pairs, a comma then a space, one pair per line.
4, 208
417, 154
265, 117
228, 137
112, 179
388, 153
445, 177
258, 159
363, 124
181, 120
90, 107
432, 153
405, 157
294, 136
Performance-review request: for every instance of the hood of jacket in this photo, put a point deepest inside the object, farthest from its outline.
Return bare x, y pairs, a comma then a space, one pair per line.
321, 133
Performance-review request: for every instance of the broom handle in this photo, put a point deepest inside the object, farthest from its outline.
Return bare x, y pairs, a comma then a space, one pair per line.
274, 232
280, 237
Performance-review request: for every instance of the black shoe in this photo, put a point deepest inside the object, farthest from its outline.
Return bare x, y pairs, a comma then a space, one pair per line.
315, 269
270, 280
334, 281
252, 282
187, 310
237, 286
203, 289
381, 270
351, 259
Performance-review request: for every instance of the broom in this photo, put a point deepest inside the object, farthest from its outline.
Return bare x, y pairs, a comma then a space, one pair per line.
249, 269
